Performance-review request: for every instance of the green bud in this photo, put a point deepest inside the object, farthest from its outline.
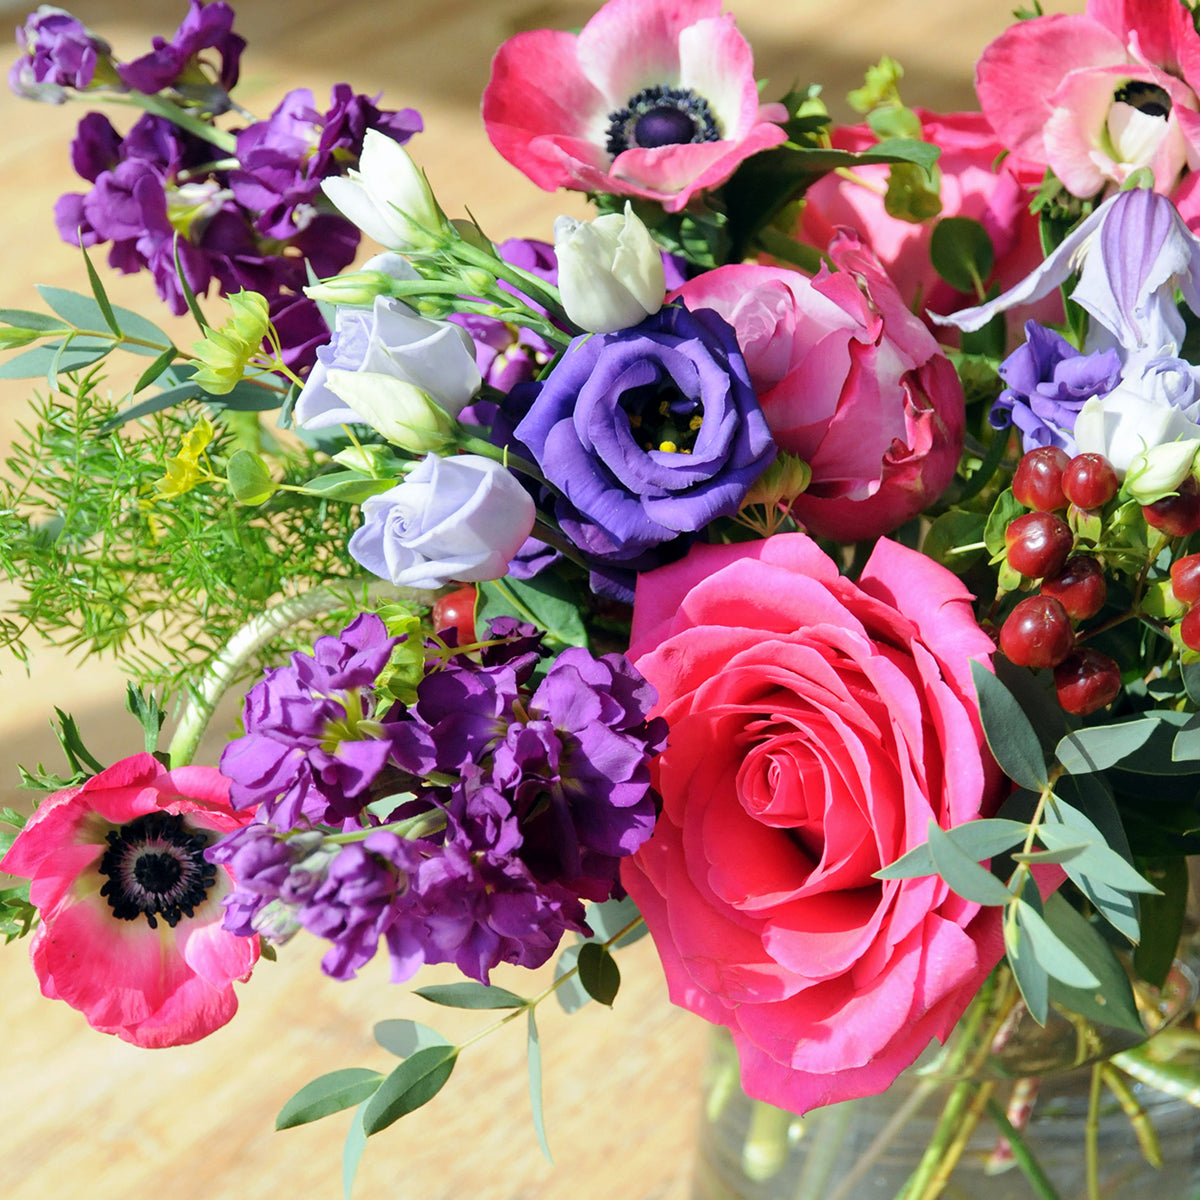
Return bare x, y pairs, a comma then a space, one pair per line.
359, 288
785, 479
225, 353
376, 461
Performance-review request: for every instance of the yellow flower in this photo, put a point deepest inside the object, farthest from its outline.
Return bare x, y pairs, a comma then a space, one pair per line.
185, 470
224, 352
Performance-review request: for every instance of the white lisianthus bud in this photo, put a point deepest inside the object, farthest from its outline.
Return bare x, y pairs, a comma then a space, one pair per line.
388, 197
1158, 471
405, 414
610, 271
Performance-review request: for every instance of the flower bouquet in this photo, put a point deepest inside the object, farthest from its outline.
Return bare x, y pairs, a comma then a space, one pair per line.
798, 561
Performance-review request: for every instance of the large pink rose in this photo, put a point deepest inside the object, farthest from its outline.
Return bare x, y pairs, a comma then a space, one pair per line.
849, 380
130, 930
653, 98
816, 726
1099, 95
977, 180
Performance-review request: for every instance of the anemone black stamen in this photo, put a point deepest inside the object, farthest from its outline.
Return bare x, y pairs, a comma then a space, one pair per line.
156, 868
1147, 98
661, 116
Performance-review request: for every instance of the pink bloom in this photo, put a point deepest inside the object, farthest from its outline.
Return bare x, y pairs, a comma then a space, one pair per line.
973, 184
654, 98
130, 931
849, 380
1098, 95
816, 727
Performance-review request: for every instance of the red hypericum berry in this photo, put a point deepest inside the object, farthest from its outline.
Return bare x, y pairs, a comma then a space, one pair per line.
1037, 544
456, 610
1086, 680
1185, 579
1037, 633
1037, 481
1178, 515
1189, 628
1079, 587
1089, 481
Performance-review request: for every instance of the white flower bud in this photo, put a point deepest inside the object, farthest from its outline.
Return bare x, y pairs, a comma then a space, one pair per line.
1158, 471
610, 271
407, 416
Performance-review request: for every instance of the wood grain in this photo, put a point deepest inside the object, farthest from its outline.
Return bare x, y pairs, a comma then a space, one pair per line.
83, 1115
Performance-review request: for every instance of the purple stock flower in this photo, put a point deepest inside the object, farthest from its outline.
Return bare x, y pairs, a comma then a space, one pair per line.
57, 52
312, 748
648, 433
174, 63
1048, 383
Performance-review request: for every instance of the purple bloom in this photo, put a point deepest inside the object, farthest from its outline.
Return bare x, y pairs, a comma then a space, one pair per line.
1048, 383
57, 52
648, 433
175, 63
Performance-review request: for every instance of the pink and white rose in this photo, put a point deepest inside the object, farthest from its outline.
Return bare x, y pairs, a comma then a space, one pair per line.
849, 380
653, 98
816, 727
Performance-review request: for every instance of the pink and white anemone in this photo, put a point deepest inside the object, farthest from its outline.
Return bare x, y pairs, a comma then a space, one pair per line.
653, 99
1099, 95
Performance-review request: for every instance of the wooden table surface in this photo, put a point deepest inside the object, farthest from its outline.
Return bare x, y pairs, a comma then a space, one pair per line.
83, 1115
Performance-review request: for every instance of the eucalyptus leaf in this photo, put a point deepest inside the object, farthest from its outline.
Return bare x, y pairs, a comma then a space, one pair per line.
98, 292
609, 917
1009, 733
402, 1037
1058, 959
533, 1056
469, 994
1095, 858
24, 318
412, 1084
155, 369
962, 872
1032, 978
599, 973
35, 363
1186, 747
1162, 918
328, 1094
352, 1150
979, 840
571, 995
84, 313
1102, 746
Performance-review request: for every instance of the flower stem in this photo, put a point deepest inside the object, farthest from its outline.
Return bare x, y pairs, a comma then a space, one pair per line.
220, 138
1091, 1132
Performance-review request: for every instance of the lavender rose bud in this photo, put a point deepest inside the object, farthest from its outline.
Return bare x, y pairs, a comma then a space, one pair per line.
459, 518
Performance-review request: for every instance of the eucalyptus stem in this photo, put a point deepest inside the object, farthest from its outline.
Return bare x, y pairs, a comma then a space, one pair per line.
228, 663
1091, 1133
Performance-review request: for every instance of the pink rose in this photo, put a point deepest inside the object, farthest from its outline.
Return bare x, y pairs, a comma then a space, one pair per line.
130, 931
849, 380
816, 727
977, 181
1099, 95
653, 98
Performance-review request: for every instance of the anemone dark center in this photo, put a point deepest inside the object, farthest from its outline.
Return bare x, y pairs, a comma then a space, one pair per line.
1147, 98
156, 868
662, 418
661, 116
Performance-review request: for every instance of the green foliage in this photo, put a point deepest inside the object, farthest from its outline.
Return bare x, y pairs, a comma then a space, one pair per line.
412, 1084
469, 994
598, 972
328, 1094
962, 253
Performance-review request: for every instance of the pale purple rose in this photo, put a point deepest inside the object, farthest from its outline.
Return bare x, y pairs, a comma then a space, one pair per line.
459, 518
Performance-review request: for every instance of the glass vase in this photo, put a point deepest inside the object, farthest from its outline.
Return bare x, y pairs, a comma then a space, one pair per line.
1040, 1081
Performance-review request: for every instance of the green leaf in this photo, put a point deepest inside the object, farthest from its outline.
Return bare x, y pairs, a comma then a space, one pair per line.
249, 480
469, 994
155, 369
1004, 512
533, 1055
403, 1038
1161, 919
962, 253
1009, 734
911, 194
1031, 976
610, 916
1053, 857
24, 318
1060, 962
1111, 1000
352, 1151
547, 601
100, 295
963, 873
1186, 747
36, 362
328, 1094
413, 1083
572, 995
189, 296
1102, 746
144, 707
599, 973
949, 533
979, 840
349, 487
84, 313
1095, 858
1157, 755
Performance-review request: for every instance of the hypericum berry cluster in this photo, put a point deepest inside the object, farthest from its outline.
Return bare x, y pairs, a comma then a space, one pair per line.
1185, 583
1040, 630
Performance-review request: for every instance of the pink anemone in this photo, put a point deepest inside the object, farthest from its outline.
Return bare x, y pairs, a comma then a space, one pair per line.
653, 98
130, 911
1100, 95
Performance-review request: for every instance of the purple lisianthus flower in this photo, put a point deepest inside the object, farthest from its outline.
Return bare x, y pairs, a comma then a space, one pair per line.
57, 52
312, 747
1048, 383
648, 433
174, 63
